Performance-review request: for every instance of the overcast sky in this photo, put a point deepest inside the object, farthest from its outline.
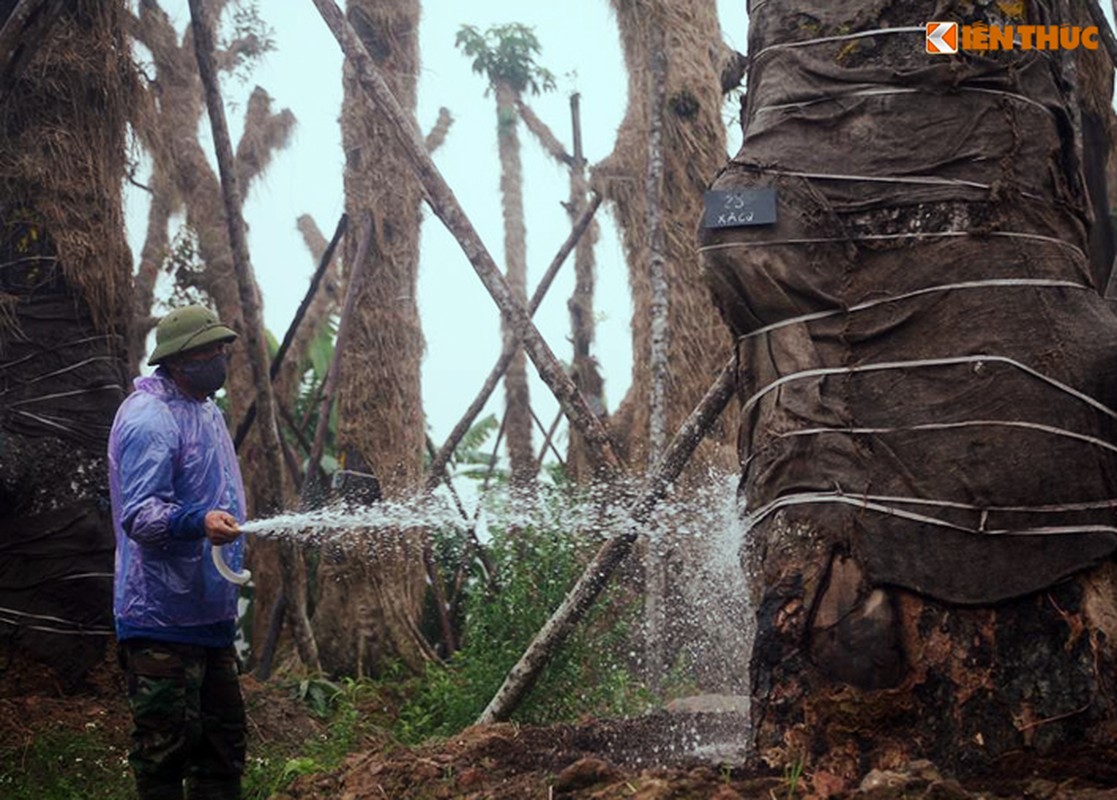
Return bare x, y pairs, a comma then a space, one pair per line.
580, 46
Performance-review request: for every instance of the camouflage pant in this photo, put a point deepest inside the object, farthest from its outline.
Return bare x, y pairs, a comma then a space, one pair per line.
189, 720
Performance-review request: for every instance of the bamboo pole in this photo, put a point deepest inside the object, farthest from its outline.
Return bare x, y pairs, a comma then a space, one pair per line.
548, 437
292, 329
657, 249
255, 341
446, 207
547, 434
597, 574
442, 457
655, 618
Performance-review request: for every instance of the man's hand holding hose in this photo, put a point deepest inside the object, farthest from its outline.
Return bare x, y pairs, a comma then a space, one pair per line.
221, 529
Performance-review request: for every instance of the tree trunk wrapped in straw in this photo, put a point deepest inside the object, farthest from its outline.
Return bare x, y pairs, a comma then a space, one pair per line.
65, 276
692, 149
371, 590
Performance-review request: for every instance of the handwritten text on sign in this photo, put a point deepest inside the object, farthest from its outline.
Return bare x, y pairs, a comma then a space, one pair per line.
739, 207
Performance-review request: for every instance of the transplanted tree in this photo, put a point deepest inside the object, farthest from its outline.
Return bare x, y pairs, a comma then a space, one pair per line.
927, 386
371, 591
505, 54
670, 143
65, 275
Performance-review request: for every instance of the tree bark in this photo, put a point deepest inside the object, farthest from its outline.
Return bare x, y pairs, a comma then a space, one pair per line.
372, 588
271, 498
354, 284
437, 134
544, 134
902, 611
65, 273
24, 31
680, 33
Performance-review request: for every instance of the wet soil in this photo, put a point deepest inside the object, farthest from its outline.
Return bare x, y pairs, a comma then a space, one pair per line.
678, 755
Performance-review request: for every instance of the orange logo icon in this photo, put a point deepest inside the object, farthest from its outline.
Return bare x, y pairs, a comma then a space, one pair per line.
942, 38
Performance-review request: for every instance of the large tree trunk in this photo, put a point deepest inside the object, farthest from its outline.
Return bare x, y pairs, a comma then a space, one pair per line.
692, 149
517, 400
64, 285
927, 381
371, 590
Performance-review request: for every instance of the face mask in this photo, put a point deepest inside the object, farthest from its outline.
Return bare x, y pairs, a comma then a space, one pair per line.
205, 377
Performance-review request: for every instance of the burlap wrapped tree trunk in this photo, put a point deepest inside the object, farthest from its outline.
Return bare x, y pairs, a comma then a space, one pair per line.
927, 385
64, 283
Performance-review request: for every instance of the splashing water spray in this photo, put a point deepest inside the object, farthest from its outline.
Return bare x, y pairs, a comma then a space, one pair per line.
709, 595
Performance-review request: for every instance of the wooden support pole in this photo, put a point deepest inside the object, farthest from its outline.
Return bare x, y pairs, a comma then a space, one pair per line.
597, 574
446, 207
255, 341
442, 457
657, 250
292, 329
548, 433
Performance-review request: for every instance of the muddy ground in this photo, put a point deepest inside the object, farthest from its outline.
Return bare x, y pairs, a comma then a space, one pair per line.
663, 756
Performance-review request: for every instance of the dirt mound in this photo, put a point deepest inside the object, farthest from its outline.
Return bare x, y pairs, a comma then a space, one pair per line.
691, 752
607, 760
512, 762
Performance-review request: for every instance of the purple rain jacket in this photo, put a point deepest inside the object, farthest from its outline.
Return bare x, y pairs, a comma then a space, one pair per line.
170, 461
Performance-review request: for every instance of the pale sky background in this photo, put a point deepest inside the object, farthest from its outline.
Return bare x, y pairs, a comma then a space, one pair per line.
580, 45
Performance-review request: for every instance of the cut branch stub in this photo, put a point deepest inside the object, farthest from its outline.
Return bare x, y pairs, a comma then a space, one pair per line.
446, 207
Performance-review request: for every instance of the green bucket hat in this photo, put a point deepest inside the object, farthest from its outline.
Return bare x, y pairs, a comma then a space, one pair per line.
188, 328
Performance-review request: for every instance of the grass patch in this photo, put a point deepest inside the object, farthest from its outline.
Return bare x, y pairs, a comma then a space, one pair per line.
534, 568
62, 764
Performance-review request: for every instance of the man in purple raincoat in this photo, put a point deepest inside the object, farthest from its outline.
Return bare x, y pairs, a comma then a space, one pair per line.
177, 493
